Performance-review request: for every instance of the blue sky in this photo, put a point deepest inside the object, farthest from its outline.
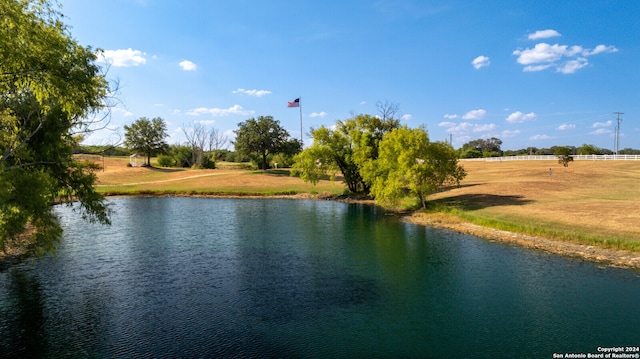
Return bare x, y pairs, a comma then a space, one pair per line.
532, 73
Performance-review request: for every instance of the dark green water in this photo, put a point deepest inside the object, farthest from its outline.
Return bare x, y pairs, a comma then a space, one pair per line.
217, 278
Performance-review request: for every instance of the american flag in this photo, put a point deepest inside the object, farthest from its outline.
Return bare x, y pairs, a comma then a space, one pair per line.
294, 103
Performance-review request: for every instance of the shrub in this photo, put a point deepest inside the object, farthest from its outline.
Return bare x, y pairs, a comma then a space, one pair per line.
166, 161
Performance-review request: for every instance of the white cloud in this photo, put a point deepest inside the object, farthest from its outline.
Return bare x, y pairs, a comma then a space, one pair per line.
475, 115
122, 58
518, 117
188, 65
566, 126
566, 59
541, 53
450, 116
480, 62
602, 124
218, 112
572, 66
406, 117
206, 122
602, 48
254, 92
543, 34
540, 137
600, 131
318, 114
363, 102
484, 128
510, 133
463, 127
467, 127
122, 111
446, 124
535, 68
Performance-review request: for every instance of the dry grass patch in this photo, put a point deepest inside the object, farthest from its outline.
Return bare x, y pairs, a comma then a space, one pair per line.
230, 179
585, 200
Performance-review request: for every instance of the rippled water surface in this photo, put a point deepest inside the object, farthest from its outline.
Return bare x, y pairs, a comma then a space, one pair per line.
210, 278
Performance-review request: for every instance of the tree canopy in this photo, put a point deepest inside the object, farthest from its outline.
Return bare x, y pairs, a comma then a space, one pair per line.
345, 149
489, 147
146, 136
50, 87
589, 149
261, 137
409, 164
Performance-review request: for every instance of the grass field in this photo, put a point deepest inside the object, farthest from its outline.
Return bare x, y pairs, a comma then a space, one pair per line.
229, 178
589, 202
592, 202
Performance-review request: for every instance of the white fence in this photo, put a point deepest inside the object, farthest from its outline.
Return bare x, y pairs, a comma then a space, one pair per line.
555, 158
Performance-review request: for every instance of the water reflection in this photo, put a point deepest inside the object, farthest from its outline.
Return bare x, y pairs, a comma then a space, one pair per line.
285, 273
179, 277
23, 309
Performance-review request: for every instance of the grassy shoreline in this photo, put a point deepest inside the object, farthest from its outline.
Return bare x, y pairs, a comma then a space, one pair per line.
590, 204
585, 211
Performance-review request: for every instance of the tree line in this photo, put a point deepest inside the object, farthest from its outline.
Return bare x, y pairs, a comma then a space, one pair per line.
491, 147
374, 155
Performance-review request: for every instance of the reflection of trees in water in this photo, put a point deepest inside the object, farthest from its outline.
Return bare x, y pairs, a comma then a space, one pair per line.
284, 287
22, 317
283, 266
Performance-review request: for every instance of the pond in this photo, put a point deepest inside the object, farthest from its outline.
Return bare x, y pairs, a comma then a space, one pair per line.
278, 278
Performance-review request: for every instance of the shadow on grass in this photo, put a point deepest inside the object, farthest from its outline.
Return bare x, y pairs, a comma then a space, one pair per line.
164, 169
472, 202
277, 172
448, 188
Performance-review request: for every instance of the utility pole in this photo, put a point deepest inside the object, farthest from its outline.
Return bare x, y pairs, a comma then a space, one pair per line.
617, 139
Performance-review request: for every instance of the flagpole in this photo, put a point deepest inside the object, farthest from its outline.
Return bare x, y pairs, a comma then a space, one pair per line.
300, 103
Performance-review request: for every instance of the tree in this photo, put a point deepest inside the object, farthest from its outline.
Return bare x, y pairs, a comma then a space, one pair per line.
196, 136
410, 164
629, 151
331, 152
486, 147
205, 145
564, 155
387, 110
588, 149
50, 88
146, 136
261, 138
217, 142
176, 156
345, 149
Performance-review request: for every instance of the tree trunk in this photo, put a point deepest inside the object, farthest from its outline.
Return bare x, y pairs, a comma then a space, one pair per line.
423, 202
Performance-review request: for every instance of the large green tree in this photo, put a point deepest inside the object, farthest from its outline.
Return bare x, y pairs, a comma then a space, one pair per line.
330, 154
261, 137
344, 149
50, 88
489, 147
147, 136
409, 164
